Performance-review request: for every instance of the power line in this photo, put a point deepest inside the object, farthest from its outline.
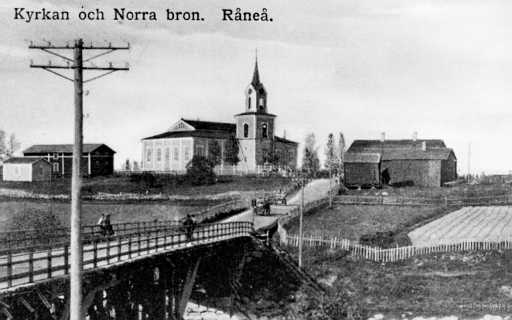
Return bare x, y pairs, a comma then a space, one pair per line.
76, 63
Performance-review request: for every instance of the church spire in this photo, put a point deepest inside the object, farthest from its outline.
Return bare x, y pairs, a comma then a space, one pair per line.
256, 75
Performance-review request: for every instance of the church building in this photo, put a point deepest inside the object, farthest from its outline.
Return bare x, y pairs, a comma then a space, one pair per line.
254, 130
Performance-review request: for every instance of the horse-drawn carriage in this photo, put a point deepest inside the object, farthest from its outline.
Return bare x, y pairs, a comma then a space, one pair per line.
261, 205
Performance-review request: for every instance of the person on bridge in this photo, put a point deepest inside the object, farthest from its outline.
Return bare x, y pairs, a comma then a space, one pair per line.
102, 224
189, 227
109, 230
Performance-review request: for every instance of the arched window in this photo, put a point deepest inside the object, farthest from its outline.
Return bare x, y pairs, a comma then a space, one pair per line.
249, 103
158, 154
246, 130
264, 130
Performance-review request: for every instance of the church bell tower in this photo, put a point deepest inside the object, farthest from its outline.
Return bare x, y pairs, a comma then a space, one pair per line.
255, 126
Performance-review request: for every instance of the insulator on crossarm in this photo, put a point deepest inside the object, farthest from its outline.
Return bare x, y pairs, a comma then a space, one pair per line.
127, 65
110, 44
110, 64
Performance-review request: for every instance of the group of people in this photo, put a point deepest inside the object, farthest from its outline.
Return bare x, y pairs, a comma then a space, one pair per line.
106, 228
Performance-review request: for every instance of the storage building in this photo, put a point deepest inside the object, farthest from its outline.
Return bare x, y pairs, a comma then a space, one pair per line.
26, 169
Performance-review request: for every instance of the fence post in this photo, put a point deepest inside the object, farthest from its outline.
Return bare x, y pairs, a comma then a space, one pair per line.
49, 262
31, 265
9, 269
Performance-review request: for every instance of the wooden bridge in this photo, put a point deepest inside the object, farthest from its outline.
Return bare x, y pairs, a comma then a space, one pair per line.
27, 259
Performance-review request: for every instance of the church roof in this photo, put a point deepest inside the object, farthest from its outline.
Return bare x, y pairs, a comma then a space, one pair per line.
209, 125
256, 75
202, 129
217, 134
284, 140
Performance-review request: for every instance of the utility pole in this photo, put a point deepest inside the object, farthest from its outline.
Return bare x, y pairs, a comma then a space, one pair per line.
301, 226
469, 161
77, 65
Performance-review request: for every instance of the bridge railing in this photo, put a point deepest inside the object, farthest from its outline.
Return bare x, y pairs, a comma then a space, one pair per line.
25, 238
40, 264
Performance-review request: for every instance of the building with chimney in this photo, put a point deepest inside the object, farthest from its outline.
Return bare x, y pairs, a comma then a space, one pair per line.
253, 130
425, 163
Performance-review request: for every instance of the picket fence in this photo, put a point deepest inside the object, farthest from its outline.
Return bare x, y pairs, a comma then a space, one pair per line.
418, 201
376, 254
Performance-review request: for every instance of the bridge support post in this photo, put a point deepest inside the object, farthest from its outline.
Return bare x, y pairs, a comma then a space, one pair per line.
181, 296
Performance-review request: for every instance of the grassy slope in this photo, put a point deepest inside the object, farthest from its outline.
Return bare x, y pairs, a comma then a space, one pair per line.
168, 185
92, 211
349, 221
434, 285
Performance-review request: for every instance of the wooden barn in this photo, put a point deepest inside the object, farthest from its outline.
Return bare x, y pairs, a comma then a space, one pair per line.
362, 169
97, 158
426, 163
26, 169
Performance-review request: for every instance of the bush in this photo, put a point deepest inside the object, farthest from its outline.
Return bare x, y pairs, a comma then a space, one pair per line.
200, 171
146, 179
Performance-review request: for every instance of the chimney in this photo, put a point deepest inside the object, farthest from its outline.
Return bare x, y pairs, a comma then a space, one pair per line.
382, 137
414, 136
424, 146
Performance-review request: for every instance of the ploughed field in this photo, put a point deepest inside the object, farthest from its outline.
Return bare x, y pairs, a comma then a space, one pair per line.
466, 224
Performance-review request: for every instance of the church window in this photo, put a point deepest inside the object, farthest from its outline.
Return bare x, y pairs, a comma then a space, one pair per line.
246, 130
176, 154
158, 154
187, 154
148, 155
264, 130
167, 154
249, 91
249, 103
262, 91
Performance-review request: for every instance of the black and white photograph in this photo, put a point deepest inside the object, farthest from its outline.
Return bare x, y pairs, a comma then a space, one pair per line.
255, 160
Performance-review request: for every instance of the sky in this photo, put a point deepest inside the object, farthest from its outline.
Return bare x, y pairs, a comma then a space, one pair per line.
441, 68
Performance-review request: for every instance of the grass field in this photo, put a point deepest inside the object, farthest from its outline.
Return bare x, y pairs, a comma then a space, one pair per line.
467, 224
351, 221
458, 191
91, 211
164, 184
436, 285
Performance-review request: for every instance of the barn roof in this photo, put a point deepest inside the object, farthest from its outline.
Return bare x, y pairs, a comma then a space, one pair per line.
63, 148
23, 160
366, 145
404, 154
435, 149
361, 157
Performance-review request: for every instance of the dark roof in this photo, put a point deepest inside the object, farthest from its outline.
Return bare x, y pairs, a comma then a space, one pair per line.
360, 145
402, 154
209, 125
63, 148
21, 160
203, 129
192, 133
284, 140
359, 157
403, 149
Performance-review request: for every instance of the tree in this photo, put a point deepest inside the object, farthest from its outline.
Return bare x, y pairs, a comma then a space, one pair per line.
127, 165
214, 153
200, 171
12, 146
310, 161
231, 151
3, 148
341, 155
331, 157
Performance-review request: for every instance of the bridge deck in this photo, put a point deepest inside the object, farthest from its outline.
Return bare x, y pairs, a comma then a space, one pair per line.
32, 265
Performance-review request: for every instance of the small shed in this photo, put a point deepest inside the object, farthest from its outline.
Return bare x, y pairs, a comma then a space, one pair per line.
362, 169
26, 169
